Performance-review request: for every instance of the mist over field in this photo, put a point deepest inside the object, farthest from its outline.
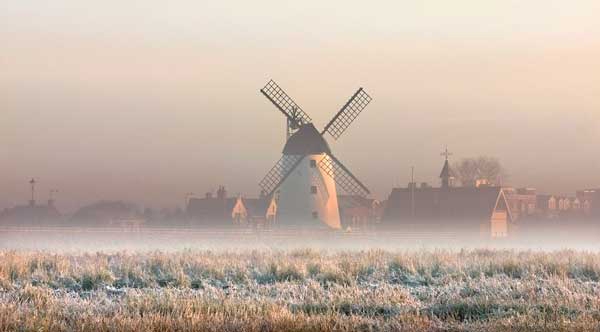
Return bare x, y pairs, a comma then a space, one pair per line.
103, 239
281, 279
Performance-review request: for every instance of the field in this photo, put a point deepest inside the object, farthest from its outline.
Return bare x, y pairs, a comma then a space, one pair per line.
300, 290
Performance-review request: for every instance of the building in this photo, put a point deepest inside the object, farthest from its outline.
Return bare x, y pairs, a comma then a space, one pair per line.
219, 211
223, 211
467, 209
590, 202
31, 214
482, 209
357, 212
109, 214
546, 206
566, 208
260, 212
522, 202
572, 209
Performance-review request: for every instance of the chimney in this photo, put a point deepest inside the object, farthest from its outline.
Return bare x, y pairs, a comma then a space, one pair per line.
221, 193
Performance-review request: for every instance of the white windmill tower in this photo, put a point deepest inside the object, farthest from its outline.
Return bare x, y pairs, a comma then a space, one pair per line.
308, 174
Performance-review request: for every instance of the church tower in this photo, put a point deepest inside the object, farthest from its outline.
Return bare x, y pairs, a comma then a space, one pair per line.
446, 173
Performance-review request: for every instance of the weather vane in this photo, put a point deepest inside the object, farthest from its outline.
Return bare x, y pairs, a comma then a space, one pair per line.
446, 154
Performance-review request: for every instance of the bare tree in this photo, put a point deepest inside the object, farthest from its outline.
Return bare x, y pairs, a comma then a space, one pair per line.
490, 169
469, 170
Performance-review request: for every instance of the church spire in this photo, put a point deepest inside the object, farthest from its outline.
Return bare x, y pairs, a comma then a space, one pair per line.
446, 173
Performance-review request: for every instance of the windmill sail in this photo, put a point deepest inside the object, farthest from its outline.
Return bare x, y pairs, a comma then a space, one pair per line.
285, 104
342, 176
279, 172
349, 112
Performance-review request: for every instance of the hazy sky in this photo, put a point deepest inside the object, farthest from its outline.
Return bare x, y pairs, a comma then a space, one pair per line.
148, 100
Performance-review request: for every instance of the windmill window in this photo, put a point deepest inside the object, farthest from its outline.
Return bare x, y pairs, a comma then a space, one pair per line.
315, 214
313, 163
313, 189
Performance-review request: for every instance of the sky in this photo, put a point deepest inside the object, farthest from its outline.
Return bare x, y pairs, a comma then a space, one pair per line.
146, 101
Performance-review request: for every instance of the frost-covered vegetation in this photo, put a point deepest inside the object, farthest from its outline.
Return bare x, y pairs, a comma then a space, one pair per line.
300, 290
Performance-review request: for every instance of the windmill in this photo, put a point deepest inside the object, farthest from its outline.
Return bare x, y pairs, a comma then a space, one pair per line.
306, 177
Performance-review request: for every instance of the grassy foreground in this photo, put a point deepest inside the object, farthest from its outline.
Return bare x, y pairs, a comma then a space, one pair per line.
302, 290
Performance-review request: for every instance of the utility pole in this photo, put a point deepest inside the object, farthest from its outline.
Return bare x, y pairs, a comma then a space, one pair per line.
187, 198
51, 197
412, 191
32, 182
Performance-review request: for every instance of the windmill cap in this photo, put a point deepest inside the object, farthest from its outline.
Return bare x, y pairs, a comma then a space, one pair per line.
307, 140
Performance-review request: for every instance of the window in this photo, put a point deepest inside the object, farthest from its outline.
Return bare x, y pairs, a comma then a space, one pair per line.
313, 189
315, 214
313, 163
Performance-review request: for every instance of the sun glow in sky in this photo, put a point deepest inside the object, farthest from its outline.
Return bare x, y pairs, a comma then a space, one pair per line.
148, 100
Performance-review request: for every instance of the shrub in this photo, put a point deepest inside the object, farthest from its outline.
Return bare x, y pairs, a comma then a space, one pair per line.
91, 280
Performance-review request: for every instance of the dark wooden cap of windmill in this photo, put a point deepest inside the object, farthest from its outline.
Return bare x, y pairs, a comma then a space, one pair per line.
307, 140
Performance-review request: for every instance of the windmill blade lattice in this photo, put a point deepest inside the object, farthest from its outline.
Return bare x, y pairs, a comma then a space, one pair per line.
349, 112
285, 104
279, 172
342, 176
